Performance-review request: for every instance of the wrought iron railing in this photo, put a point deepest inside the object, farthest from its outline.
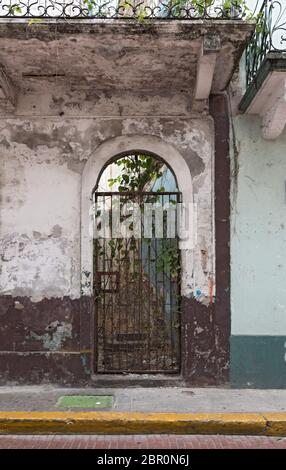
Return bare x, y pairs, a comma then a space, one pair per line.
123, 9
269, 35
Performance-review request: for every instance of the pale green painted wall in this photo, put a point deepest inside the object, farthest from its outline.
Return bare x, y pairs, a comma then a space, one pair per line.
258, 233
258, 260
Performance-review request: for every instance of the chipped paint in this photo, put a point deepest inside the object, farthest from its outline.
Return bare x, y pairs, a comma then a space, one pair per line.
56, 333
40, 239
85, 363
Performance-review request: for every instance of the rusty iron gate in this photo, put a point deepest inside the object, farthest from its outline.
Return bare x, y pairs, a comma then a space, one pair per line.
137, 288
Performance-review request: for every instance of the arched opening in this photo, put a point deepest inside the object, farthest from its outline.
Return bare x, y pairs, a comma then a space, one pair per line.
137, 267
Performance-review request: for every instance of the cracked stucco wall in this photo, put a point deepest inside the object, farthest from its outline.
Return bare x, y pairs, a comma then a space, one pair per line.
42, 163
39, 214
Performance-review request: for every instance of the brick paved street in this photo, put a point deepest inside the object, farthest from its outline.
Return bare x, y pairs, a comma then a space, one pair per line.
141, 442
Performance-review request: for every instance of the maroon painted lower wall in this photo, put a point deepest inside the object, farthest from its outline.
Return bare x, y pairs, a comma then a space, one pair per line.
51, 342
205, 356
68, 369
45, 342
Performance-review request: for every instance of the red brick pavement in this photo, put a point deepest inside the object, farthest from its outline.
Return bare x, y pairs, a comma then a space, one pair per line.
141, 442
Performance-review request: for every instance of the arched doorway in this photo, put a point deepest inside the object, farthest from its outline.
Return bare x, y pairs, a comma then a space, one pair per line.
137, 266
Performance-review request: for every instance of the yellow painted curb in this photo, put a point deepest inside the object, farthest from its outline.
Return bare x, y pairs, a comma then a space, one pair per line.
132, 423
275, 424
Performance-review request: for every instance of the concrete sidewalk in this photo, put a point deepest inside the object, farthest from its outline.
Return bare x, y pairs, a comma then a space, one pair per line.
149, 400
42, 410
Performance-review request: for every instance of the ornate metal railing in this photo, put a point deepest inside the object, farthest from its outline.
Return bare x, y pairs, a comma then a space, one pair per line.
123, 9
269, 36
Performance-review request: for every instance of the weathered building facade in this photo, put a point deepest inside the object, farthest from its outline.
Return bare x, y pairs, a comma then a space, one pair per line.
77, 93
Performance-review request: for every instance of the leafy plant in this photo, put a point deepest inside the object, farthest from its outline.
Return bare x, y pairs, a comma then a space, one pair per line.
137, 172
168, 259
174, 8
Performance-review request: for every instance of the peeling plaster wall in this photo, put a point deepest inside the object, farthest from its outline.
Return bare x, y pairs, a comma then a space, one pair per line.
39, 213
258, 246
43, 160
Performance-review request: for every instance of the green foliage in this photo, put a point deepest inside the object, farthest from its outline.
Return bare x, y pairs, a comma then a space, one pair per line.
175, 7
14, 9
136, 173
168, 259
200, 5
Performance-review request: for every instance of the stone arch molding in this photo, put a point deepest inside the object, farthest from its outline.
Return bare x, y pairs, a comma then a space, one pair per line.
102, 155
